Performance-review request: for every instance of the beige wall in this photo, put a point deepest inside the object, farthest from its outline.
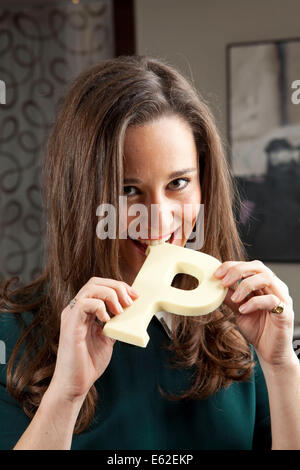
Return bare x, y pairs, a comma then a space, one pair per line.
192, 35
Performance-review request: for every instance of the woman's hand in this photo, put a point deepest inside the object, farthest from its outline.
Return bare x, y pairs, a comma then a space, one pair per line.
83, 351
258, 292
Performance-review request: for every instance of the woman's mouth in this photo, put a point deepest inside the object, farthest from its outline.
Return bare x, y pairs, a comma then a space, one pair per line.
141, 247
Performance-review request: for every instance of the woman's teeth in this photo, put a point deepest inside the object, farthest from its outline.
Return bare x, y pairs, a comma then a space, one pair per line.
144, 243
156, 242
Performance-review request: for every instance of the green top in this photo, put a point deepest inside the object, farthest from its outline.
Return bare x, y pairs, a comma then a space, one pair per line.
132, 414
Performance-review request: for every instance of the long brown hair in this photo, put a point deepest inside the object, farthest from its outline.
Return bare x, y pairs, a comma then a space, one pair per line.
83, 168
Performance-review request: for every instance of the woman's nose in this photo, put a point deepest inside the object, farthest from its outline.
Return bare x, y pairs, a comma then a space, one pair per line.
160, 219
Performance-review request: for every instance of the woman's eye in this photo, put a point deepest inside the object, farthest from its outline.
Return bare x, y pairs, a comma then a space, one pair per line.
186, 180
127, 190
131, 190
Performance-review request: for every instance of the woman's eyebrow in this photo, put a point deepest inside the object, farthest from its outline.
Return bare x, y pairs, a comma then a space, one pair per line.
175, 174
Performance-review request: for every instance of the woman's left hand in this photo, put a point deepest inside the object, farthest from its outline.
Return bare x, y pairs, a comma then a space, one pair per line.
259, 291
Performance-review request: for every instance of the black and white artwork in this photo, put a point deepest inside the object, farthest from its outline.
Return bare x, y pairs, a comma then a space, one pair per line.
264, 137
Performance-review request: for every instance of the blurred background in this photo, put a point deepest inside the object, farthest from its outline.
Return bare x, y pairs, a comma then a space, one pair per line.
45, 44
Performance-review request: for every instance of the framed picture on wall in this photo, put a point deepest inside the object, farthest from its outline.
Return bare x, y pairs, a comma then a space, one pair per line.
264, 140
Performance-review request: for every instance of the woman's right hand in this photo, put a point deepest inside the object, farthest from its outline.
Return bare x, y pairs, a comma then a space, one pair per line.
83, 351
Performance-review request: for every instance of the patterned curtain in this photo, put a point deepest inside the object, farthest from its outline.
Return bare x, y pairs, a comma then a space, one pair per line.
42, 47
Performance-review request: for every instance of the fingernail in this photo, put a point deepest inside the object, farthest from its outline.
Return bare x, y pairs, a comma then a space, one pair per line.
226, 279
129, 299
120, 308
219, 272
243, 308
235, 296
134, 291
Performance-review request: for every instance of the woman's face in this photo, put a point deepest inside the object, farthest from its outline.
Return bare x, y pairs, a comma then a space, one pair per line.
161, 172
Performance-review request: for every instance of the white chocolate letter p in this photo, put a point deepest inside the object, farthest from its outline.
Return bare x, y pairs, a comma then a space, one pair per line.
153, 283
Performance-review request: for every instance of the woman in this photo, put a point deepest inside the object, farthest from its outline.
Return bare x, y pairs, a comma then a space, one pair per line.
126, 127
